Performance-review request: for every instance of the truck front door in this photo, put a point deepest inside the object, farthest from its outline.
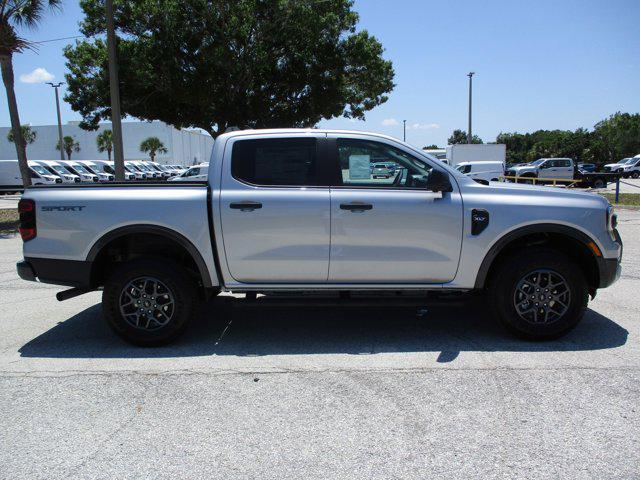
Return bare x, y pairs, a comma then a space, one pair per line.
389, 230
275, 213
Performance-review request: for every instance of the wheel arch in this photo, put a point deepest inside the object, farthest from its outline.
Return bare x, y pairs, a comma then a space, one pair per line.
100, 247
567, 239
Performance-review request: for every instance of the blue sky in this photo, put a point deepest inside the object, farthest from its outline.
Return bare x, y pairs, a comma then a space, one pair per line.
543, 64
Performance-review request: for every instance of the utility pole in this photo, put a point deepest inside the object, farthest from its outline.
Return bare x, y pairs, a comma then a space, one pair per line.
56, 86
469, 134
404, 130
118, 154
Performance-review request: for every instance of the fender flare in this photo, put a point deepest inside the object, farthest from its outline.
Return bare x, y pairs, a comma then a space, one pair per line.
154, 230
498, 246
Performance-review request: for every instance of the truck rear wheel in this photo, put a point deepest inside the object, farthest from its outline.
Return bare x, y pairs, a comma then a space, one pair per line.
149, 302
539, 294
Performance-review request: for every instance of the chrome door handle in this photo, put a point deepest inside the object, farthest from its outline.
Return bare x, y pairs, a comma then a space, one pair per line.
245, 206
356, 207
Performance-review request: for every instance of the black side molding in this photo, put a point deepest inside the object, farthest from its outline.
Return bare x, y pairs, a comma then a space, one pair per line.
157, 230
521, 232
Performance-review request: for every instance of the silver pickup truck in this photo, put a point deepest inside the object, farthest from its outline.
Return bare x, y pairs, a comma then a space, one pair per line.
299, 211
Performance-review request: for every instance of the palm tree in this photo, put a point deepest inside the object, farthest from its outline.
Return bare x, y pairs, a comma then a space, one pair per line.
153, 145
105, 142
69, 145
27, 136
18, 13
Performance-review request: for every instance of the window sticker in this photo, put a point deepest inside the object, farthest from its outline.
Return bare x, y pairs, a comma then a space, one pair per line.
359, 167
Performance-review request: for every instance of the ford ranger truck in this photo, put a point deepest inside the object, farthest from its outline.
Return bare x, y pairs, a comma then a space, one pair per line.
299, 210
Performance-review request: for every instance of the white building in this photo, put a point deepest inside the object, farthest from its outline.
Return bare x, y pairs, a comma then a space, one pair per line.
184, 147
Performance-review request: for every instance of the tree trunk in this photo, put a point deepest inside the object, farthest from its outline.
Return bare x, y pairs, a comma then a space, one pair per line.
21, 151
153, 156
109, 154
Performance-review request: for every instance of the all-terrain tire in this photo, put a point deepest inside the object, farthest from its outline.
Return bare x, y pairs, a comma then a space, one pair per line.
509, 302
149, 302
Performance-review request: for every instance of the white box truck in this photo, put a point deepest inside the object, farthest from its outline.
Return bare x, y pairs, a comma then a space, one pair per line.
485, 152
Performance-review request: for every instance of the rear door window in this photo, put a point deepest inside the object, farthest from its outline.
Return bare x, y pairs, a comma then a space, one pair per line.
276, 162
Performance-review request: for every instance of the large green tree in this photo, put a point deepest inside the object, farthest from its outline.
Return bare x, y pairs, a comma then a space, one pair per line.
15, 14
617, 137
216, 64
612, 139
460, 136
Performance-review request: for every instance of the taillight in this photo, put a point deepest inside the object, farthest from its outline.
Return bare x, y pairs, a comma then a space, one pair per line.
27, 211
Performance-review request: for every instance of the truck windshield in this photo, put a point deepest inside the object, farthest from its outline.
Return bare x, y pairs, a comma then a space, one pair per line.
81, 169
537, 162
60, 169
38, 169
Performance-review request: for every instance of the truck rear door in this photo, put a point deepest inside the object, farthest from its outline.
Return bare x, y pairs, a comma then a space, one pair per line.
275, 212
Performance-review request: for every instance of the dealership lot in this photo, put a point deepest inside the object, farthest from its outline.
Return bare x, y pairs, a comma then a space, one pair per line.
324, 392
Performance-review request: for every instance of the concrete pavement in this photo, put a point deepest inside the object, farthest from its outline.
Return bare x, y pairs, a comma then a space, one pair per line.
318, 392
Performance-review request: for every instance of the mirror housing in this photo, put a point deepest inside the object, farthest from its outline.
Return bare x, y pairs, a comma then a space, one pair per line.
438, 181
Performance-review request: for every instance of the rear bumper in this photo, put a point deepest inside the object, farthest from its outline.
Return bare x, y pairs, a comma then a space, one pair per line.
70, 273
25, 271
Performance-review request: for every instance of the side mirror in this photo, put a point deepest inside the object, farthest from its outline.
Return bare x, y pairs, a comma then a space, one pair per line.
438, 181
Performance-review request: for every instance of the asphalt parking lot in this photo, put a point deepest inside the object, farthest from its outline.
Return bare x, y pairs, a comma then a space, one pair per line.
303, 392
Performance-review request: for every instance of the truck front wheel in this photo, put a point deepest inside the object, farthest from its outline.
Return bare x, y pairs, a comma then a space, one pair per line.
538, 294
149, 302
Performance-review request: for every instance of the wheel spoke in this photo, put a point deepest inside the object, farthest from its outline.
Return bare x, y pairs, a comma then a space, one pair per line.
541, 296
146, 303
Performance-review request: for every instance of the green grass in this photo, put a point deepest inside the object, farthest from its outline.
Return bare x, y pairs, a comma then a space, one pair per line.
9, 220
630, 199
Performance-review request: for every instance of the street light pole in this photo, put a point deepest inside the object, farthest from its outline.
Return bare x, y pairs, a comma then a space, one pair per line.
404, 130
118, 154
56, 86
469, 134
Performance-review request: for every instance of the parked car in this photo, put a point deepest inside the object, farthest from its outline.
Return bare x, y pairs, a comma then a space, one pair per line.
81, 171
197, 173
546, 168
11, 178
628, 167
39, 174
104, 172
490, 171
277, 215
55, 168
138, 171
617, 167
382, 170
587, 167
159, 169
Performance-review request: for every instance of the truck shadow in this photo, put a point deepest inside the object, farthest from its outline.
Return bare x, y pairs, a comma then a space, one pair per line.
225, 327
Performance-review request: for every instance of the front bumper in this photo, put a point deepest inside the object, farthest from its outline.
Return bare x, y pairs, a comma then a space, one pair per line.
610, 268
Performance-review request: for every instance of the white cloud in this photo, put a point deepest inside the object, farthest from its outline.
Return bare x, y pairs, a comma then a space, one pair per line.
424, 126
389, 122
39, 75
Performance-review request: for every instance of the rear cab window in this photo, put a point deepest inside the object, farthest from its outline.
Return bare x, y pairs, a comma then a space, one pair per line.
276, 162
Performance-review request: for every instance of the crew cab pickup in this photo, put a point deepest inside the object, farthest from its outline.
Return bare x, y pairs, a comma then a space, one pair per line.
298, 210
